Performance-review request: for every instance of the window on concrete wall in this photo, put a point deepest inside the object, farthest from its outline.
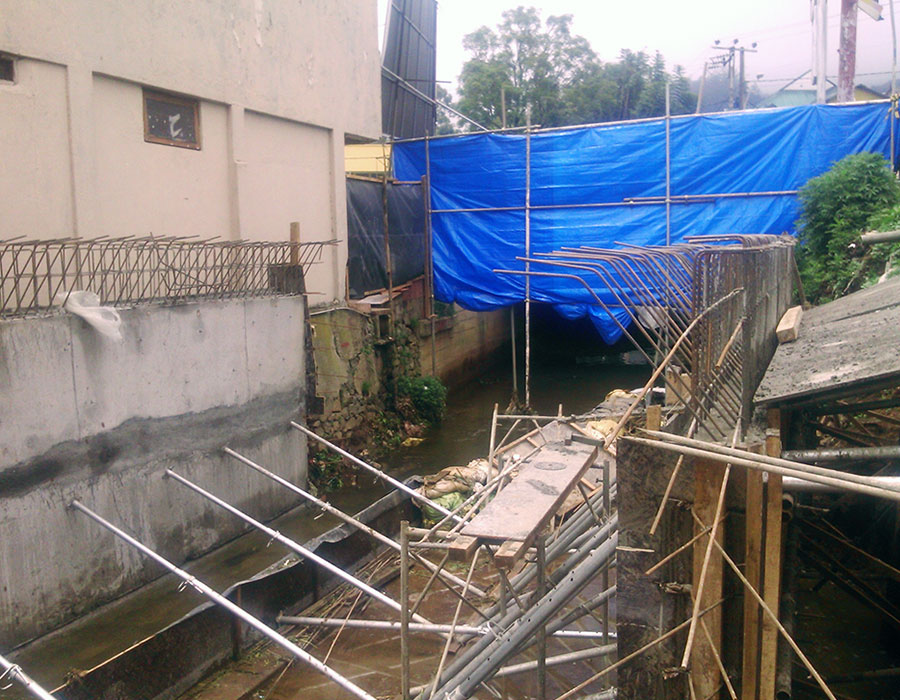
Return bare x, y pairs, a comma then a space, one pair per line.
171, 120
7, 69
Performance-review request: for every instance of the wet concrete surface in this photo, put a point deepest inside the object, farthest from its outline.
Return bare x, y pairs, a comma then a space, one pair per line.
463, 436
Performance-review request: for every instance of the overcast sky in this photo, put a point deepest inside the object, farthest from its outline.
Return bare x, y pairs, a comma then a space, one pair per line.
683, 31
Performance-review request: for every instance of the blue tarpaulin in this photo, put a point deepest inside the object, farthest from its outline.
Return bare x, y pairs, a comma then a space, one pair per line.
735, 156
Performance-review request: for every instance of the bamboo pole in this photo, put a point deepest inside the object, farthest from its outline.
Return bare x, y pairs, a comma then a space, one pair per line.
720, 504
801, 468
633, 655
768, 611
837, 482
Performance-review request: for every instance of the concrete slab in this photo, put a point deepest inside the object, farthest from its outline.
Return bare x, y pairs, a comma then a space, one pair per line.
847, 344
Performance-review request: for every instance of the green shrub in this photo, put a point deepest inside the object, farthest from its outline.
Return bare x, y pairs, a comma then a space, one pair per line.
428, 396
325, 470
835, 208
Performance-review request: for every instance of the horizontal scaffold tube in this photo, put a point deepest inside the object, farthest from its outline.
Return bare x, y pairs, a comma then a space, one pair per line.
751, 460
295, 546
349, 519
570, 657
844, 454
438, 629
399, 485
11, 670
280, 640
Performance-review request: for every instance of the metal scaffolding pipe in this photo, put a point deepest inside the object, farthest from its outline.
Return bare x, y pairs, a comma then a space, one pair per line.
14, 671
581, 655
349, 519
439, 629
280, 640
502, 617
795, 484
843, 454
412, 493
291, 544
786, 467
485, 664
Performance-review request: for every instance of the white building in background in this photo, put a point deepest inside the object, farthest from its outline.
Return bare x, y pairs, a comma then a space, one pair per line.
216, 118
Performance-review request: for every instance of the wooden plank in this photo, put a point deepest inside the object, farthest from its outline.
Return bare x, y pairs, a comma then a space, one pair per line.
544, 480
654, 417
708, 477
788, 328
772, 562
463, 548
752, 570
509, 553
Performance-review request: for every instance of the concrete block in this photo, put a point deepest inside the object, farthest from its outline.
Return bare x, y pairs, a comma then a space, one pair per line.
788, 328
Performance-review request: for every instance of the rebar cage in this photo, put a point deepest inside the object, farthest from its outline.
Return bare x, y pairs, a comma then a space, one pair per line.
37, 274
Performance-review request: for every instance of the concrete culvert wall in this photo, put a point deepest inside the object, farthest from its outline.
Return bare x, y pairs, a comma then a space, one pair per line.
88, 418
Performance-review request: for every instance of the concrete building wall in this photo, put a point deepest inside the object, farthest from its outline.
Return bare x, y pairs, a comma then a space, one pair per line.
464, 343
288, 78
147, 188
91, 419
34, 141
282, 180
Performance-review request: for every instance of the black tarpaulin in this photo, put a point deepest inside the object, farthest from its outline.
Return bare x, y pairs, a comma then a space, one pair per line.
365, 235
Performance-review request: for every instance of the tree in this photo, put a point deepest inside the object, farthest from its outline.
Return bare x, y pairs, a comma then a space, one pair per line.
857, 193
545, 67
444, 124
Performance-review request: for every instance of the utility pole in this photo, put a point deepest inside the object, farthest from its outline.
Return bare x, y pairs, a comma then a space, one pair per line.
700, 91
847, 51
737, 87
821, 34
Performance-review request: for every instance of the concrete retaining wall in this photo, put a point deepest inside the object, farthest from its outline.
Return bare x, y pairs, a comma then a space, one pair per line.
91, 419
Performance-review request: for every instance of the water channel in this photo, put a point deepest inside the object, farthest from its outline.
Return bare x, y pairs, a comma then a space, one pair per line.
463, 436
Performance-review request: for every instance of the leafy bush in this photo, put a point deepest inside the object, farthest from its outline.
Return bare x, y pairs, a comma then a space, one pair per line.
325, 469
427, 394
835, 208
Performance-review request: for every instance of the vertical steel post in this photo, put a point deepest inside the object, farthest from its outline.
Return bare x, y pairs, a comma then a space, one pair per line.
512, 334
430, 250
668, 164
428, 272
404, 610
893, 81
387, 254
542, 631
528, 257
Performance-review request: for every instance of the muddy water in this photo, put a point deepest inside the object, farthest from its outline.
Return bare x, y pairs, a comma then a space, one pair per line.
463, 436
